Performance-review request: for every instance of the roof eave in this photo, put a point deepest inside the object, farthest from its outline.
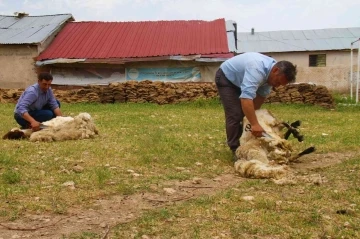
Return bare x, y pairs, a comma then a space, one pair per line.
202, 58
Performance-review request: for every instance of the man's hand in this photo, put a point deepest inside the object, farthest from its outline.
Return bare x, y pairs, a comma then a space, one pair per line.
257, 130
249, 111
35, 126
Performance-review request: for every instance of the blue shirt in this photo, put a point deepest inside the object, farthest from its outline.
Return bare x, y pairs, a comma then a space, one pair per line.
249, 72
33, 98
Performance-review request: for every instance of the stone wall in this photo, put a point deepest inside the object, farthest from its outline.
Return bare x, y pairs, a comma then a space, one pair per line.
169, 93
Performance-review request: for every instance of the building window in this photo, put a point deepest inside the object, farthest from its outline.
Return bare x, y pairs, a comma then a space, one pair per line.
317, 60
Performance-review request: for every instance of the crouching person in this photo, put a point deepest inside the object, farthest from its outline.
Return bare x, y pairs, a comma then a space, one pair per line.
37, 104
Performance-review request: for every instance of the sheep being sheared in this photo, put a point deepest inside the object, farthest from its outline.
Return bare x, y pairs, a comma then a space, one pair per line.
267, 156
58, 129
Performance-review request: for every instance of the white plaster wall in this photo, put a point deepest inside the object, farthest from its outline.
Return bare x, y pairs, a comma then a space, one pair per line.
335, 76
17, 69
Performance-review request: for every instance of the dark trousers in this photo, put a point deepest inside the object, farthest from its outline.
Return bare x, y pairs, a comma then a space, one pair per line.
42, 115
229, 95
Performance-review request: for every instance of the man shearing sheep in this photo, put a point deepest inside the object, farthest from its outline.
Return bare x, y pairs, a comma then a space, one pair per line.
243, 83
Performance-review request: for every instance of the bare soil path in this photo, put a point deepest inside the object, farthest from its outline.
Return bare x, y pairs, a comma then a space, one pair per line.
103, 214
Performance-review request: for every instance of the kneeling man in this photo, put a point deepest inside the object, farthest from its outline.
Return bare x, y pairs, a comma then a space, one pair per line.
37, 104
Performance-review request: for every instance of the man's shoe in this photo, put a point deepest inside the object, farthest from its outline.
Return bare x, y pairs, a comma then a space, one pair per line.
235, 158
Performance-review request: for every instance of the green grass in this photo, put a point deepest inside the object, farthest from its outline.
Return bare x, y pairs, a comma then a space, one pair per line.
152, 141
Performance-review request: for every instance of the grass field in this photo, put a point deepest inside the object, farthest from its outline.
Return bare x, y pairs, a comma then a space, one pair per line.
142, 145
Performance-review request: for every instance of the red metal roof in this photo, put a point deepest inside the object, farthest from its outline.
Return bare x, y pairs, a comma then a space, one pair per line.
100, 40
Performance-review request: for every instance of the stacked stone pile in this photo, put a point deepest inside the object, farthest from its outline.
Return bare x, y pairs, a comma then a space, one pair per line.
169, 93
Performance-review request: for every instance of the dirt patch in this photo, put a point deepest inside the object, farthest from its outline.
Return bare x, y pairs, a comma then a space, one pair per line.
314, 161
103, 213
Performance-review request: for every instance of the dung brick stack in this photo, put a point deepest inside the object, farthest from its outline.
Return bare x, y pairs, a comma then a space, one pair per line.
10, 95
302, 93
118, 91
168, 93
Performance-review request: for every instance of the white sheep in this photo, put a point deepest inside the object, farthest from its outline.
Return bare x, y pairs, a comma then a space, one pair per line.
59, 129
267, 156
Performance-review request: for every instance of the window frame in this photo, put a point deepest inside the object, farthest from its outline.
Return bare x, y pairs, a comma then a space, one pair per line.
317, 60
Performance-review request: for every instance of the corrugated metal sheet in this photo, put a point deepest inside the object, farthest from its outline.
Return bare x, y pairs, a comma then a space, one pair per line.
300, 40
99, 40
29, 29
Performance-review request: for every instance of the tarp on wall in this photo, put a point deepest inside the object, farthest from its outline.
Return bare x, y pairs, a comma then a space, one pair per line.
154, 71
182, 74
87, 76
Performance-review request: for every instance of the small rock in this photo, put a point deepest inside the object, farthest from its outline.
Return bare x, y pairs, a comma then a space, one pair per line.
129, 216
103, 225
63, 170
347, 224
78, 169
198, 164
180, 168
153, 187
196, 180
170, 190
248, 198
69, 183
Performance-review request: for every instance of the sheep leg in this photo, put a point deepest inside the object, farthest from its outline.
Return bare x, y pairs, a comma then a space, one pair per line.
306, 151
293, 130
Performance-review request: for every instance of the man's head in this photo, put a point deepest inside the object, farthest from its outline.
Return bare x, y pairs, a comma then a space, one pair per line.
282, 73
44, 81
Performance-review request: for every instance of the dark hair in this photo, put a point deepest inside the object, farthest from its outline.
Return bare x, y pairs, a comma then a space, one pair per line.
288, 69
45, 76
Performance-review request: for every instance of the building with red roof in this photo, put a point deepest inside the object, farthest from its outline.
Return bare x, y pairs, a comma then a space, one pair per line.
103, 52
